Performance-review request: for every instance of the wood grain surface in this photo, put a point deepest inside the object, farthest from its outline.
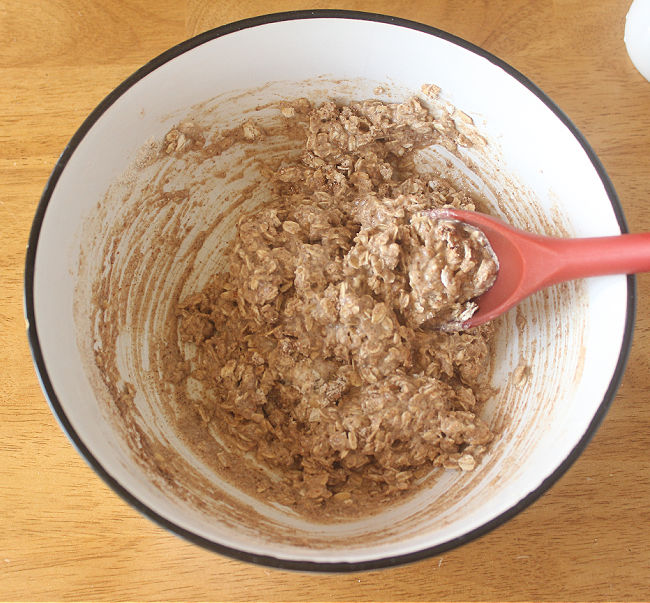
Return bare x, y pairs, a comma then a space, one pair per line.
65, 535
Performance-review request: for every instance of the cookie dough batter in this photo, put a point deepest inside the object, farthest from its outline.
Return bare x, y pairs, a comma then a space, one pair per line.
320, 344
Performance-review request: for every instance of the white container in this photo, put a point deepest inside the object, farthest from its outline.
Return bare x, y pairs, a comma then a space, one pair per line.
637, 36
538, 170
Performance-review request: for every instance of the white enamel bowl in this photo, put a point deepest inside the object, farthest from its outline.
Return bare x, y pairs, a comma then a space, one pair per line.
574, 340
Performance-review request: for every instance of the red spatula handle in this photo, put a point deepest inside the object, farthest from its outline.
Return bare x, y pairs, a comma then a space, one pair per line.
578, 258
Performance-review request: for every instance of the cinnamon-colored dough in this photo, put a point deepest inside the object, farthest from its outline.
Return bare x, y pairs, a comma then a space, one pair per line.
320, 345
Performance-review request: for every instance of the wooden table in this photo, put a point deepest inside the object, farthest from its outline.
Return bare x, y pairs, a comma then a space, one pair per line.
65, 535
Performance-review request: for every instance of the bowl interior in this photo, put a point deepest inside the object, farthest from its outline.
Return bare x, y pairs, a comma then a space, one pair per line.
534, 171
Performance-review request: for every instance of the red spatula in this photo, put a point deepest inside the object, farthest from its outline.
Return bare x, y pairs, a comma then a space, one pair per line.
530, 262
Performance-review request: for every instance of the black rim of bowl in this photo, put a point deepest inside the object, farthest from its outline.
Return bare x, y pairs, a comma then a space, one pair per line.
267, 560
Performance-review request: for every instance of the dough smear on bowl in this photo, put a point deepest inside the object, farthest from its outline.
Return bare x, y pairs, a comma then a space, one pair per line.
319, 344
